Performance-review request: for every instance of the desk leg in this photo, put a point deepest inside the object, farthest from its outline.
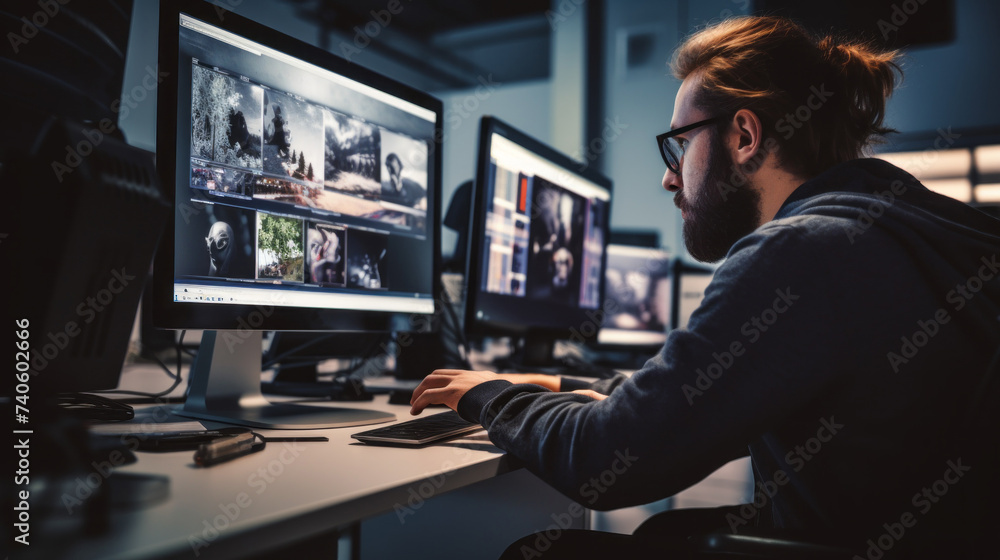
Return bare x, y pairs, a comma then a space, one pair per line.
349, 542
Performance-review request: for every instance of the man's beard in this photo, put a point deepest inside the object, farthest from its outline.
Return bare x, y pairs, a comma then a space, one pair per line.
720, 213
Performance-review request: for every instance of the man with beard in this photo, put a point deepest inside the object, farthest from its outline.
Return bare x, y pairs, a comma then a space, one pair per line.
841, 344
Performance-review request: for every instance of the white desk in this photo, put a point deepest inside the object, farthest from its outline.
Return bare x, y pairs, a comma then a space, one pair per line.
293, 491
461, 499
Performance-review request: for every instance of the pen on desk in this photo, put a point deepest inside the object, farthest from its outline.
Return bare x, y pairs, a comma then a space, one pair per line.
179, 441
294, 438
224, 449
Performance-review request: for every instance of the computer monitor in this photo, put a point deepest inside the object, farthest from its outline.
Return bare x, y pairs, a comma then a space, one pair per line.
637, 297
537, 243
306, 197
690, 281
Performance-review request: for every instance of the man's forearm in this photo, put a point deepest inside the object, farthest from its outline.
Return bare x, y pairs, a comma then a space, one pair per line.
550, 382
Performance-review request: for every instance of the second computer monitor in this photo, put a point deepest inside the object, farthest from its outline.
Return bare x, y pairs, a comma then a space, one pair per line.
538, 239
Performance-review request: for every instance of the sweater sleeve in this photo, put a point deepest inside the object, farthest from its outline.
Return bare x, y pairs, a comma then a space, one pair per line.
710, 391
603, 386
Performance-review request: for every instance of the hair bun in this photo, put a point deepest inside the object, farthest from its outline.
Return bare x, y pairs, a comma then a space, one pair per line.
868, 75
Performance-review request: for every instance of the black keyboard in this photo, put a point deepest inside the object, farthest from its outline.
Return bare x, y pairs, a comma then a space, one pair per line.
420, 431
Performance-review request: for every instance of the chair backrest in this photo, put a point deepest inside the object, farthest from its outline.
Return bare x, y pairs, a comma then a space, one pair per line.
963, 525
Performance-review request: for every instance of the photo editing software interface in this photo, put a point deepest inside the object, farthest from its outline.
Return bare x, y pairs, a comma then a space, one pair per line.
638, 293
297, 186
543, 240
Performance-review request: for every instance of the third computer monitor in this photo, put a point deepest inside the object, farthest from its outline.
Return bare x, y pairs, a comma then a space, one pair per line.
538, 240
637, 298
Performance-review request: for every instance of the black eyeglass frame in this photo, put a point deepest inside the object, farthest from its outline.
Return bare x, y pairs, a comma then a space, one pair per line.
661, 141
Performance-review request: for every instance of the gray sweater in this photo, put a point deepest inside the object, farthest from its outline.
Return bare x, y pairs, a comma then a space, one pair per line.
838, 344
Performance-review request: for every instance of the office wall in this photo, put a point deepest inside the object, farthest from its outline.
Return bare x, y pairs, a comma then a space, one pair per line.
953, 85
525, 105
640, 36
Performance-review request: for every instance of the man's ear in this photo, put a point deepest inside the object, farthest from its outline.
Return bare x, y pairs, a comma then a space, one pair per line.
746, 136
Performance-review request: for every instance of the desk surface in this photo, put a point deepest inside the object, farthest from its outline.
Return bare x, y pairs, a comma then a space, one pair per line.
286, 492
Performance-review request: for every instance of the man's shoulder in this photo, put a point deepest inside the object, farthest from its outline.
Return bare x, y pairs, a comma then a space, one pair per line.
799, 233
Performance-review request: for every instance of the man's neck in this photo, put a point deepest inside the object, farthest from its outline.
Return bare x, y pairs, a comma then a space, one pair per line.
780, 184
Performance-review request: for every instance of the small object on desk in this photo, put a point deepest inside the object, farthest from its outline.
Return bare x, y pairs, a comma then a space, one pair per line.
227, 448
281, 439
182, 441
420, 431
191, 440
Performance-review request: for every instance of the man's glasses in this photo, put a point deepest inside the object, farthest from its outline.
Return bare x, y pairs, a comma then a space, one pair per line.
672, 149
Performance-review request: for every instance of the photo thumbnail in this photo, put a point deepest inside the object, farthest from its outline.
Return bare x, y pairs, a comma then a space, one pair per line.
215, 240
366, 259
351, 163
293, 138
555, 243
280, 251
222, 181
404, 171
325, 247
593, 252
284, 190
225, 119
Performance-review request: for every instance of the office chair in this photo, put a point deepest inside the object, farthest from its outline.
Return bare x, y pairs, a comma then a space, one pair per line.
980, 418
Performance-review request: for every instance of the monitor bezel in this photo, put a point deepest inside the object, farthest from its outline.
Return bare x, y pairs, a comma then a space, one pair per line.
171, 314
502, 326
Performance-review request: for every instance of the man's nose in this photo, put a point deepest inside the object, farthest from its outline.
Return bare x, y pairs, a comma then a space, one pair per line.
671, 181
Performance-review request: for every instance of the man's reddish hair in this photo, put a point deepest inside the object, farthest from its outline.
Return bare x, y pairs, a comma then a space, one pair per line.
775, 68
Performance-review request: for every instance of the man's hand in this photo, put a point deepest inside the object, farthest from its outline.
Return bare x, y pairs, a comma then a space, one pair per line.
592, 394
447, 387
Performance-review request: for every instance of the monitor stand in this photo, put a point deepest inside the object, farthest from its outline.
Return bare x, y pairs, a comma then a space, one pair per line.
535, 351
531, 353
225, 387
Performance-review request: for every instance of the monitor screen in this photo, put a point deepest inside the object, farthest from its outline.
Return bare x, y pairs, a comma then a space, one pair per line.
692, 280
306, 188
539, 231
296, 185
637, 297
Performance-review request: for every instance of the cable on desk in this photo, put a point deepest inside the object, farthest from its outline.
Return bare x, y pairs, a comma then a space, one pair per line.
462, 352
291, 352
366, 358
357, 364
95, 407
177, 378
